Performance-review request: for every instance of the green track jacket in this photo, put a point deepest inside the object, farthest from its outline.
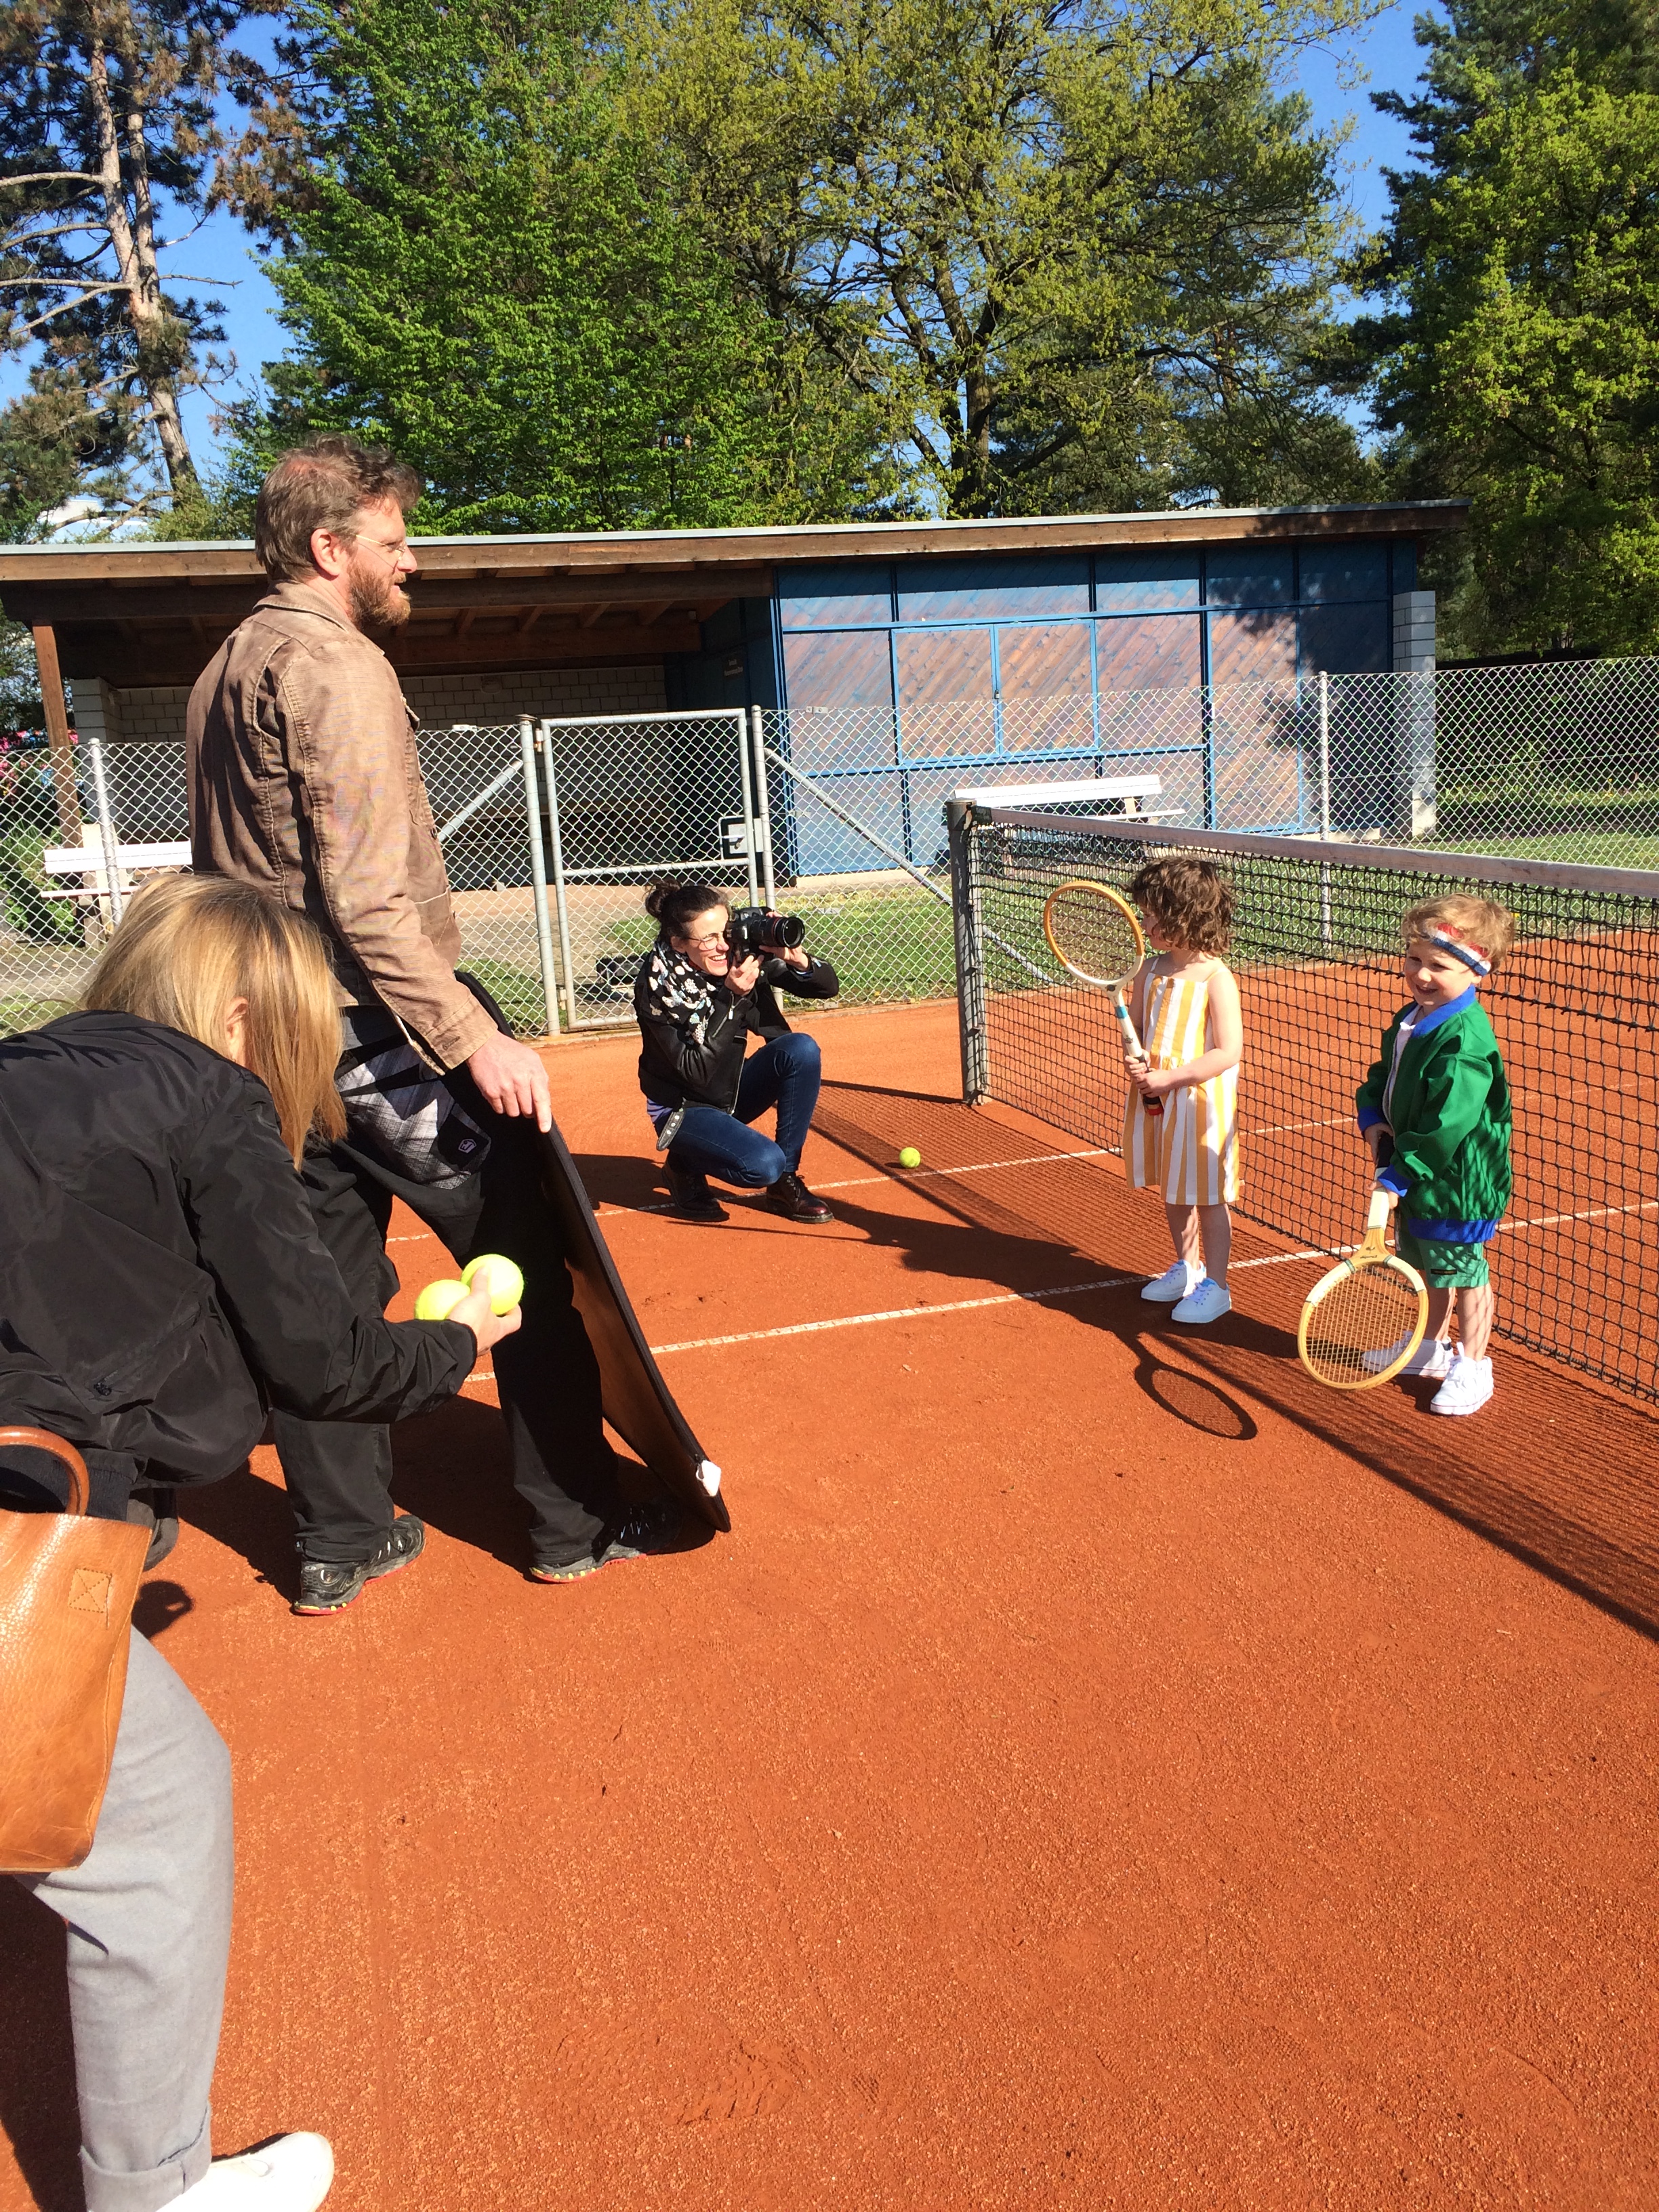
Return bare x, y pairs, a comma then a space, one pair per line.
1448, 1113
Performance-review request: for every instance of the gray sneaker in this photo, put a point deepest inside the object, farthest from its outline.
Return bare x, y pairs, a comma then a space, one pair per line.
327, 1585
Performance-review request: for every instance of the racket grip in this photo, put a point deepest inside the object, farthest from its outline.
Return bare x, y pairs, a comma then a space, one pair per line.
1376, 1216
1132, 1038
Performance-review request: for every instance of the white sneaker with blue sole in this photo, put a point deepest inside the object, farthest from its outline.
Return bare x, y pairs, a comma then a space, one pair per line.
1207, 1303
1175, 1283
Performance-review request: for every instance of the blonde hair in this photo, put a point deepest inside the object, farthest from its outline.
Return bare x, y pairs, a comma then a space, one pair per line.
190, 946
1480, 923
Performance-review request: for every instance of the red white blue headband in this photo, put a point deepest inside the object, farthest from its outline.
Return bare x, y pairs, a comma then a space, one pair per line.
1470, 955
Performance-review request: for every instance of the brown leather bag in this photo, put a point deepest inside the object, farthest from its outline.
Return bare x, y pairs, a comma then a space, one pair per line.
67, 1586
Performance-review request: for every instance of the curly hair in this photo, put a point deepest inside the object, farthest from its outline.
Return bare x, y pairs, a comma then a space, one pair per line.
1191, 899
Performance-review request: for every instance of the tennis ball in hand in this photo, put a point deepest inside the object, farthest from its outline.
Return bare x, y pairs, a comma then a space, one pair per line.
506, 1282
437, 1299
909, 1158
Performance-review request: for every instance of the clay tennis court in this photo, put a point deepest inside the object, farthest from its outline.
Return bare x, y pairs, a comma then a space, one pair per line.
1098, 1768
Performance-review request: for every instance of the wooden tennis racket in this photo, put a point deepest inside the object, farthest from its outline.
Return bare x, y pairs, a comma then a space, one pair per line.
1362, 1322
1096, 935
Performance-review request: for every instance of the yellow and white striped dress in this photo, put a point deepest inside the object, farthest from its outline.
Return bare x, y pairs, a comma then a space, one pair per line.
1189, 1152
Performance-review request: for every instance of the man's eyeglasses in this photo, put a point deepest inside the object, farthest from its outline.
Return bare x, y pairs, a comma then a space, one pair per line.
397, 547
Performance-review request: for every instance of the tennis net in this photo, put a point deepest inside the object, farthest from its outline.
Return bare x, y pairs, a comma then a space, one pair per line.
1316, 950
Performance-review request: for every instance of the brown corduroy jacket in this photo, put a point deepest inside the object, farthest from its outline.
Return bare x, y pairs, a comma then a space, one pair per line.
304, 781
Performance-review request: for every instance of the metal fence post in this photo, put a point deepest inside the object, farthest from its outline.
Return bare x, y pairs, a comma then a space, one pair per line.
1325, 804
560, 902
533, 800
106, 827
746, 767
763, 803
970, 956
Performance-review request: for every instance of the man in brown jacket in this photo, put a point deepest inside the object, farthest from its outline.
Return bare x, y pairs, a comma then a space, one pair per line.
304, 781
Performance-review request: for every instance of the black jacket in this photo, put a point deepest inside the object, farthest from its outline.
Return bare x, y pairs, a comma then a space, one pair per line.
161, 1282
675, 1072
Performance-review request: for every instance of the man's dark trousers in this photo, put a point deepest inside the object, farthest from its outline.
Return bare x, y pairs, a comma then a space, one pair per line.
339, 1472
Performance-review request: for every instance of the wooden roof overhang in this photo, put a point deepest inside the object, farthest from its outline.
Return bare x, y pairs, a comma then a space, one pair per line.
148, 613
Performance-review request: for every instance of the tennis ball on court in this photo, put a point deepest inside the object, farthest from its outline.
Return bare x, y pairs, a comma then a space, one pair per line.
506, 1282
909, 1158
436, 1300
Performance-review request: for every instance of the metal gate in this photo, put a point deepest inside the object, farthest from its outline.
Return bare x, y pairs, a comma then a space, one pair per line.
627, 799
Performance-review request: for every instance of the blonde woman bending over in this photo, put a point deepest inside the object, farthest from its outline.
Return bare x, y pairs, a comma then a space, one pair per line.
162, 1286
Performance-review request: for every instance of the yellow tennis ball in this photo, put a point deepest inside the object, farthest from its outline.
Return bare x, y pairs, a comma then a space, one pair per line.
909, 1158
506, 1282
436, 1300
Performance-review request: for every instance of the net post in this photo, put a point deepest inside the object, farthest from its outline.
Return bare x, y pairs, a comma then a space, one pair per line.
969, 952
533, 800
561, 902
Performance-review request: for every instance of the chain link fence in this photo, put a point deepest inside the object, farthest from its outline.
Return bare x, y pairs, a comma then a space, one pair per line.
80, 828
836, 812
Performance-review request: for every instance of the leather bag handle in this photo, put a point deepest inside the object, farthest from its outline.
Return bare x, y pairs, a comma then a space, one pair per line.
79, 1490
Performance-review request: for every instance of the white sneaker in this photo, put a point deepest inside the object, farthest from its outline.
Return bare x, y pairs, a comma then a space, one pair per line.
1467, 1388
293, 2174
1432, 1358
1207, 1303
1172, 1285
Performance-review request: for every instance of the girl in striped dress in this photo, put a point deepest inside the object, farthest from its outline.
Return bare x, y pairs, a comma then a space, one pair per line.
1185, 1005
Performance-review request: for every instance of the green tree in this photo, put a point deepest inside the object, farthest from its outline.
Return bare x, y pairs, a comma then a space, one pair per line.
1066, 251
108, 136
1519, 361
483, 267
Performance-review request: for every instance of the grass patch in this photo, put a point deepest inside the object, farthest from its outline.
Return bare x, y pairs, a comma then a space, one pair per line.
887, 945
22, 1013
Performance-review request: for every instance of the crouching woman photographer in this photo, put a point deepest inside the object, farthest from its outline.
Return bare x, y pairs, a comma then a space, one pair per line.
708, 983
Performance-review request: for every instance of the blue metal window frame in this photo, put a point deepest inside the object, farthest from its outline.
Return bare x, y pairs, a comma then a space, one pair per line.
907, 767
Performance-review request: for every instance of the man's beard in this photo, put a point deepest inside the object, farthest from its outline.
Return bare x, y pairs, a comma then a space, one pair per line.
379, 608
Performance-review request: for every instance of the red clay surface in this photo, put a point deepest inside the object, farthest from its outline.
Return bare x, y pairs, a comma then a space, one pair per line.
1099, 1769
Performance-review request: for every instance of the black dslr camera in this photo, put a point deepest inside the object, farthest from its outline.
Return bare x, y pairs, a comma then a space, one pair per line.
752, 933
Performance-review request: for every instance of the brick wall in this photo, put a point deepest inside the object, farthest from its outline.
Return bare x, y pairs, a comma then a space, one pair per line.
143, 716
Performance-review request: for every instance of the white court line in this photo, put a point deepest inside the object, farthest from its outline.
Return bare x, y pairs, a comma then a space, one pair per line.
1590, 1213
1294, 1128
897, 1313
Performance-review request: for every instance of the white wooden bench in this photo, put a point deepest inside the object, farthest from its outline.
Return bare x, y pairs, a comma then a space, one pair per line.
1127, 790
90, 861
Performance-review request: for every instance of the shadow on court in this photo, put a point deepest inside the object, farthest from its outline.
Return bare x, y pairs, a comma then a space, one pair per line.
1553, 1472
37, 2054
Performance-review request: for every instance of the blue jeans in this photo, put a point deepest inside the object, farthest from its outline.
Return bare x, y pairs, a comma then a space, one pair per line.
785, 1073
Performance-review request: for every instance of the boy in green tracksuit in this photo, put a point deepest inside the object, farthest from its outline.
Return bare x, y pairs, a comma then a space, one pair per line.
1435, 1110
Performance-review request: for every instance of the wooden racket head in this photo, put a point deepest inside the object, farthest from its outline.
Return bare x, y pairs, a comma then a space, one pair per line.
1094, 932
1361, 1322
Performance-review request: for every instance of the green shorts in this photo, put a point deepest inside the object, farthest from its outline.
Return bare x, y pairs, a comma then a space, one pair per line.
1443, 1266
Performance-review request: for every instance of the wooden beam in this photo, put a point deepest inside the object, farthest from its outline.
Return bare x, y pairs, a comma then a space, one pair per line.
530, 621
58, 732
589, 616
97, 650
77, 599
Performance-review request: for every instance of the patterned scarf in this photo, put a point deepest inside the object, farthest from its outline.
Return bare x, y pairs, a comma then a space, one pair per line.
677, 991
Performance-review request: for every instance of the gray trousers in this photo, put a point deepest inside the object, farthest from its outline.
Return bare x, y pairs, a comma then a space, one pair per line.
149, 1920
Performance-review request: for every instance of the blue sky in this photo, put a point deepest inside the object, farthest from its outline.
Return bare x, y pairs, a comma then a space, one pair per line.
223, 258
